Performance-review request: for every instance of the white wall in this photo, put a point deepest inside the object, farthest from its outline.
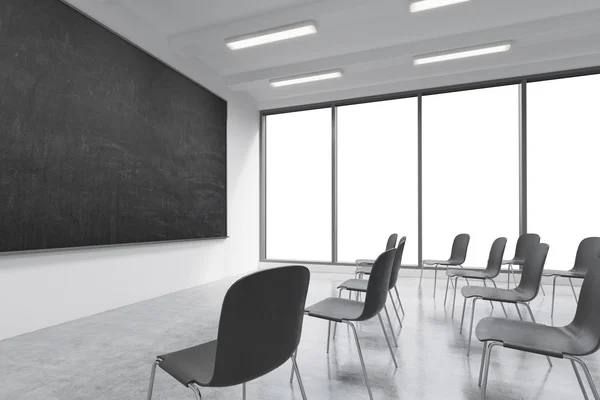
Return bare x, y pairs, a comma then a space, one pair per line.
38, 290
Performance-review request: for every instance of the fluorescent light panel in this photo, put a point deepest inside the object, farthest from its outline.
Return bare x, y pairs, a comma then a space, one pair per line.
422, 5
272, 35
313, 77
462, 53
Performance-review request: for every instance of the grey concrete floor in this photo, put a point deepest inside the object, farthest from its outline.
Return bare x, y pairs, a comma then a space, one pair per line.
109, 355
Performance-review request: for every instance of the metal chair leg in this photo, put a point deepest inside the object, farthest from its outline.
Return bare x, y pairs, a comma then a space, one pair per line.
462, 320
292, 370
519, 312
587, 375
487, 368
396, 311
483, 353
542, 287
533, 319
196, 391
501, 304
553, 295
244, 390
508, 276
471, 330
421, 278
152, 375
387, 340
435, 281
573, 289
454, 298
328, 335
583, 391
399, 301
391, 326
447, 284
362, 361
335, 324
485, 284
295, 368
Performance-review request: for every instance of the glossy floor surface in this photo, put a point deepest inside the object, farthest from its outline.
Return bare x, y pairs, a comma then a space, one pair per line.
108, 356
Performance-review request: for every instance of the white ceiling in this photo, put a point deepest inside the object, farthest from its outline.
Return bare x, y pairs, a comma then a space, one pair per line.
373, 41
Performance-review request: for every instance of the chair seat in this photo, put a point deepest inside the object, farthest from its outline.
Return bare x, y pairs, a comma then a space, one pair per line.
529, 336
514, 261
363, 270
487, 293
357, 285
336, 309
566, 274
364, 263
195, 364
469, 273
442, 262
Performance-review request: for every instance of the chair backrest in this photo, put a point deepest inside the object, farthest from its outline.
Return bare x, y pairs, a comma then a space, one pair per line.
391, 242
378, 286
524, 243
494, 263
586, 324
586, 254
459, 248
532, 271
397, 262
260, 325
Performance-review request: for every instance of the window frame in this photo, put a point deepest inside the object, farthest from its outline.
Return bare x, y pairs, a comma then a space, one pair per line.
522, 81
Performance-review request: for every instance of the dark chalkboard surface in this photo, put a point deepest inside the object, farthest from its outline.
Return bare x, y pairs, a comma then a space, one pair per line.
101, 143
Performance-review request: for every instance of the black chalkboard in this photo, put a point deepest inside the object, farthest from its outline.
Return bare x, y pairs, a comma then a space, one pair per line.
101, 143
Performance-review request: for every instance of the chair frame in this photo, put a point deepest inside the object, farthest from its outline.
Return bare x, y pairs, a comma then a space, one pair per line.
558, 275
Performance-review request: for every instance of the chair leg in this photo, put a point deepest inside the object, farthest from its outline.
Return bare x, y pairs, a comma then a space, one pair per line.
501, 304
295, 368
587, 375
454, 297
485, 284
387, 314
399, 301
396, 311
446, 296
471, 330
553, 295
362, 361
579, 380
421, 278
542, 287
244, 391
487, 368
483, 354
533, 319
512, 272
387, 340
518, 311
508, 276
435, 281
196, 391
335, 324
292, 371
573, 289
462, 320
328, 335
152, 375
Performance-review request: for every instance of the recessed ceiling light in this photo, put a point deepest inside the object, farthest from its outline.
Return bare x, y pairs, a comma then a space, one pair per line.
312, 77
272, 35
462, 53
422, 5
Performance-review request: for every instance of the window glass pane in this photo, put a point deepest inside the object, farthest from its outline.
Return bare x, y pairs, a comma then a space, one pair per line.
471, 171
563, 164
377, 178
298, 179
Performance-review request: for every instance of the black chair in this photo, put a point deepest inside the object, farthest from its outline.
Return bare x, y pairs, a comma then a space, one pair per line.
259, 330
338, 310
363, 266
585, 258
457, 258
580, 338
527, 290
492, 270
524, 244
360, 286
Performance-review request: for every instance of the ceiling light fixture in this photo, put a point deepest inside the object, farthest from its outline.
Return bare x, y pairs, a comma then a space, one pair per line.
312, 77
422, 5
272, 35
462, 53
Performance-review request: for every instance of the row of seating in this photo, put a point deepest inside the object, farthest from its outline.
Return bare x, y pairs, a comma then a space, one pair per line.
262, 316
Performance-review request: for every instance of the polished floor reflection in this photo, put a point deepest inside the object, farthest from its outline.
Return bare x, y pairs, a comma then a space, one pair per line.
108, 356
